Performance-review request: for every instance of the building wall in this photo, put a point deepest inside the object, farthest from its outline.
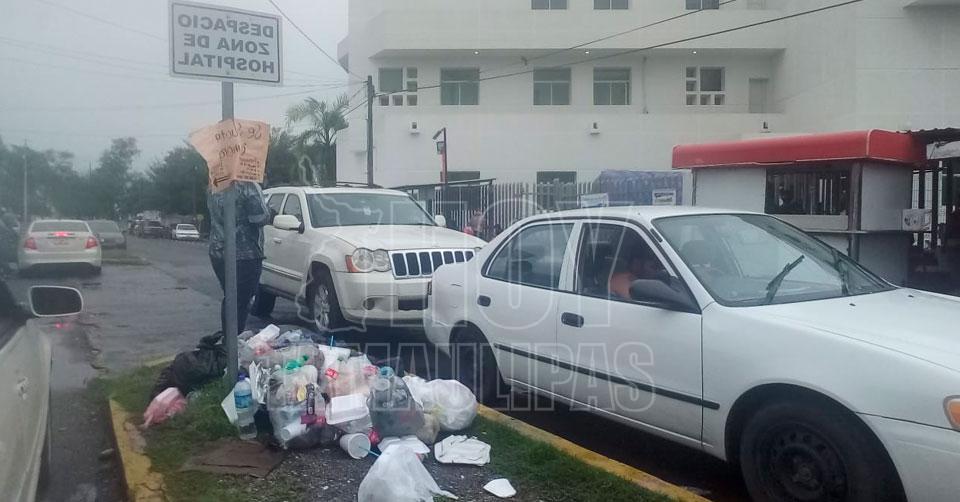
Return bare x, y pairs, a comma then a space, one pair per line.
879, 64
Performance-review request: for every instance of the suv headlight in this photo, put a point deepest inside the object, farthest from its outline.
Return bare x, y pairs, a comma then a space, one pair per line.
364, 260
952, 406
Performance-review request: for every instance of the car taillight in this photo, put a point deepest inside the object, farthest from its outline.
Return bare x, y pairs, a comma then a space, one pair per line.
430, 288
91, 243
30, 243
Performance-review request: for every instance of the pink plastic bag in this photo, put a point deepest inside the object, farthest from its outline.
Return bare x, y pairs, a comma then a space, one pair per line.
167, 404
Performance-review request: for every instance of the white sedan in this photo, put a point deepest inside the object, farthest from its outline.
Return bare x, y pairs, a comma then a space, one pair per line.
25, 362
730, 332
59, 242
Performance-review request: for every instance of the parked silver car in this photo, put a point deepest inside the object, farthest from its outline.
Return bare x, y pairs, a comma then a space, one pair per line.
25, 362
59, 242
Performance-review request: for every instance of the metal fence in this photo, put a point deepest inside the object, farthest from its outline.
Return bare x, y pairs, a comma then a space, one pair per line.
488, 206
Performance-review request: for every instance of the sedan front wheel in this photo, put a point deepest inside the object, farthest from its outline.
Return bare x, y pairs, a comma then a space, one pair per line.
809, 450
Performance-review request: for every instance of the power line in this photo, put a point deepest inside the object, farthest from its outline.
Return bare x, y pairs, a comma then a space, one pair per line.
153, 106
102, 20
295, 25
650, 47
608, 37
348, 112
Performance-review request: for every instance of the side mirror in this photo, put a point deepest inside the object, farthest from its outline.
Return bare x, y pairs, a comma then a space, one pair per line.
288, 222
666, 292
441, 220
55, 301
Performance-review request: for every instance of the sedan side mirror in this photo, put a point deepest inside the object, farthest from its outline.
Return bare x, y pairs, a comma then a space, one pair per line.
288, 222
55, 301
441, 220
667, 292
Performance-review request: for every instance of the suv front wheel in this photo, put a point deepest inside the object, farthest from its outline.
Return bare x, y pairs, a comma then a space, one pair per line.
322, 301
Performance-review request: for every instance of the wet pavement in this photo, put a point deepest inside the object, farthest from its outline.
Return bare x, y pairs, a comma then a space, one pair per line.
136, 314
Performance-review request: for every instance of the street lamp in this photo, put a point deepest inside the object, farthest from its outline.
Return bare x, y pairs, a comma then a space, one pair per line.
442, 151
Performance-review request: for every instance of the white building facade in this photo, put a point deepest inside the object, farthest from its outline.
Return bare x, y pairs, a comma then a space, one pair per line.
518, 107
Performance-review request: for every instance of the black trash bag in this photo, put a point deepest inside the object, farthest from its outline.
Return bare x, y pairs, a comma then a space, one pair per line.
191, 370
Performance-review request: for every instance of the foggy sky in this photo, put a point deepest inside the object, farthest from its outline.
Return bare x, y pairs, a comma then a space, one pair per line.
55, 94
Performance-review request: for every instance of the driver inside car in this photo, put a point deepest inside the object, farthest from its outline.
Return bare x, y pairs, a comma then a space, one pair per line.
640, 264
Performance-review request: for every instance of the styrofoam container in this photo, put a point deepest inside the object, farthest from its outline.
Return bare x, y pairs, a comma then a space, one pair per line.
347, 408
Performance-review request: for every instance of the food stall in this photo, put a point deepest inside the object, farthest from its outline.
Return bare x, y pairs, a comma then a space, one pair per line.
853, 190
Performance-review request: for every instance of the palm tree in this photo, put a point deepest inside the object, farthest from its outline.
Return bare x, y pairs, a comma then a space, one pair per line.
318, 142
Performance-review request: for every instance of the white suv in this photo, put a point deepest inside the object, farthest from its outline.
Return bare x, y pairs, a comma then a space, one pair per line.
354, 255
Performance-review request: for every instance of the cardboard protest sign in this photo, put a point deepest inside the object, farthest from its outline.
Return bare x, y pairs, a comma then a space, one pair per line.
235, 150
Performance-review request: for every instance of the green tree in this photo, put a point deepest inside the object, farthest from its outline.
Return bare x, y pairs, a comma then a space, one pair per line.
286, 165
109, 181
318, 141
53, 185
177, 184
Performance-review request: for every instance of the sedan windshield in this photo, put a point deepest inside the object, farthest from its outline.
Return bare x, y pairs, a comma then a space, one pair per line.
746, 259
350, 209
189, 228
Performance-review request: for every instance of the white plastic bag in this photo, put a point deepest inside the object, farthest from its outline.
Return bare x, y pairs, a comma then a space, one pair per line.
450, 401
399, 476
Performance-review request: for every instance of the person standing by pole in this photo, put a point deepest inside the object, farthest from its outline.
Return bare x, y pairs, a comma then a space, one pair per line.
252, 215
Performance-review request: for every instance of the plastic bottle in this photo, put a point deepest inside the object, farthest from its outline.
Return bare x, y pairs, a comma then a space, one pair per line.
243, 399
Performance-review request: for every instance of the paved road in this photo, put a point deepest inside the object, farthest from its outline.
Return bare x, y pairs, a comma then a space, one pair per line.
188, 265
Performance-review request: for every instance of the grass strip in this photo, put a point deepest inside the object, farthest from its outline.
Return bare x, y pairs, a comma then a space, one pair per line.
536, 469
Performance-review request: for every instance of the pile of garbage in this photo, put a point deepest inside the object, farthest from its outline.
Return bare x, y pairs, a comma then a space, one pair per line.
317, 395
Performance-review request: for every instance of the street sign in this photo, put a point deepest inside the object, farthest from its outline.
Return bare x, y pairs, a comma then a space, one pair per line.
218, 43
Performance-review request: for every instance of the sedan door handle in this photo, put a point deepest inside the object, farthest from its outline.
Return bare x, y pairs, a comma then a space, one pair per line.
571, 319
277, 241
483, 301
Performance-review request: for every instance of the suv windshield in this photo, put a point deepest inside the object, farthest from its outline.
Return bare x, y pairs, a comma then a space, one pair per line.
349, 209
186, 227
104, 226
746, 259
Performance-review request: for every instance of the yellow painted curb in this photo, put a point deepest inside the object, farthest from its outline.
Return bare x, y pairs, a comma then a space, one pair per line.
160, 361
592, 458
142, 483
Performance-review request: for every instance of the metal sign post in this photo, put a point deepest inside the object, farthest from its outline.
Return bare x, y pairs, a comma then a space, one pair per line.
229, 45
230, 255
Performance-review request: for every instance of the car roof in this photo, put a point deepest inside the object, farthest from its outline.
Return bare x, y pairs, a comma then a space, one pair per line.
640, 213
334, 190
51, 220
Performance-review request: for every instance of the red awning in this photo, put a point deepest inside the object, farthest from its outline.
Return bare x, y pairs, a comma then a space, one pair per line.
852, 146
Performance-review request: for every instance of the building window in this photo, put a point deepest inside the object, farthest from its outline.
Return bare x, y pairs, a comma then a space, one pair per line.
460, 86
392, 86
551, 87
548, 4
611, 4
823, 190
703, 4
705, 86
611, 86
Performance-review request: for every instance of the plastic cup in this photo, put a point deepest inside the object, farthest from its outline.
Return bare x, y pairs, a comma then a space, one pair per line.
356, 445
292, 430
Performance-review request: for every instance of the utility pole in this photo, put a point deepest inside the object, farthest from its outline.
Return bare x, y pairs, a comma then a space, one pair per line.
26, 203
230, 254
370, 96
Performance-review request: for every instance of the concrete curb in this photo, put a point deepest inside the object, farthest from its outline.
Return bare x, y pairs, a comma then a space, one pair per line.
141, 482
642, 479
